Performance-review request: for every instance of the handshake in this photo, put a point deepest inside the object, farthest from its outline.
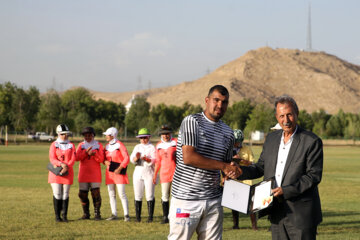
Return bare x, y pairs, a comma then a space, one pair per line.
231, 170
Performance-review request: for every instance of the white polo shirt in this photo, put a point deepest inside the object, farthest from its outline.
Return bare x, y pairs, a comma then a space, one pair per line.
283, 153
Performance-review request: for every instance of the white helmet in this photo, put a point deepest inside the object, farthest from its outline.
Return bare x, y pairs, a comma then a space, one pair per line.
62, 129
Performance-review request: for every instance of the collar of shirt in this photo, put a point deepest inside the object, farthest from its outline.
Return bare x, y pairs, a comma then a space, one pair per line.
290, 140
62, 142
210, 121
92, 144
113, 141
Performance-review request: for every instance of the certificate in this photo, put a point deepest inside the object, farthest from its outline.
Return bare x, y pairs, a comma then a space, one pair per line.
245, 198
114, 165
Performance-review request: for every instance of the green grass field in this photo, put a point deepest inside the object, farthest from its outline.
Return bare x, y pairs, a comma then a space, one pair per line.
26, 210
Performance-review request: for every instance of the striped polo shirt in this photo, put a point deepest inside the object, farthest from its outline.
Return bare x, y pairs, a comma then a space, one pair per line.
211, 139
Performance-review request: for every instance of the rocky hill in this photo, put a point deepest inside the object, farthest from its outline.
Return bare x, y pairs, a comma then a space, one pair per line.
315, 79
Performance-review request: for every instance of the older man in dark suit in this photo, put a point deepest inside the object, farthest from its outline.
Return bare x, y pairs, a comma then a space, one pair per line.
294, 157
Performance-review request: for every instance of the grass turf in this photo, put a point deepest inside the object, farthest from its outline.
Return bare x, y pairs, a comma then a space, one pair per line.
26, 210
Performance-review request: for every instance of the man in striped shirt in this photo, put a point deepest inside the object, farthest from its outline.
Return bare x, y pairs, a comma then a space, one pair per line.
204, 147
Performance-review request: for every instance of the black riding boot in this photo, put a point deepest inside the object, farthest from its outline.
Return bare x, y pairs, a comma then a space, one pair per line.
83, 195
65, 205
165, 207
150, 205
57, 209
235, 215
95, 193
138, 205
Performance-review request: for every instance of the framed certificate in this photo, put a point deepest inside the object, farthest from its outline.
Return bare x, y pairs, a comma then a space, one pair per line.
245, 198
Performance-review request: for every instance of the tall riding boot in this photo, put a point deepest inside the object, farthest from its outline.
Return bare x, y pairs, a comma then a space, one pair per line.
235, 215
65, 205
150, 205
95, 193
165, 207
83, 195
138, 205
57, 208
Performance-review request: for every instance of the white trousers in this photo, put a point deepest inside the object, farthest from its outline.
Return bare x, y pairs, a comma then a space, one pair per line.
60, 191
122, 195
165, 191
203, 216
139, 185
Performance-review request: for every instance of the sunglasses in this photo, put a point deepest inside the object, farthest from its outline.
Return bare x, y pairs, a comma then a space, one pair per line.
143, 137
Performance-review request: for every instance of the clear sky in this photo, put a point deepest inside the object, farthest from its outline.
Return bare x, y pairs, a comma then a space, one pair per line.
118, 45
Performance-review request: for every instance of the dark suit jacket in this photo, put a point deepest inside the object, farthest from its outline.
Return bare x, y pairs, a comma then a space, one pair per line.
302, 173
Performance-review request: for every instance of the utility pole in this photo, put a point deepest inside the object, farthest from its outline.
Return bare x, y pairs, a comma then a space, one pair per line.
308, 41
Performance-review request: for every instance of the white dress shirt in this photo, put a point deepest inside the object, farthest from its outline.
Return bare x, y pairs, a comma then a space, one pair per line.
283, 153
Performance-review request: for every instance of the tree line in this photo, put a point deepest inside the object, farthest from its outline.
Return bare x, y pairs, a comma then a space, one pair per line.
29, 111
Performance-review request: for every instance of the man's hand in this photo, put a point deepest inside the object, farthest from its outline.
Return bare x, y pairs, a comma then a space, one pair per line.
232, 170
277, 192
107, 163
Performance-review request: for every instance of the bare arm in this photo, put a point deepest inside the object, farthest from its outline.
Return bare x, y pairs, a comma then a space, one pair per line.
191, 157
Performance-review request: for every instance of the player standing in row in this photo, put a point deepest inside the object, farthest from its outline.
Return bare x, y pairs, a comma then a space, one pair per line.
116, 160
143, 156
61, 154
90, 153
166, 163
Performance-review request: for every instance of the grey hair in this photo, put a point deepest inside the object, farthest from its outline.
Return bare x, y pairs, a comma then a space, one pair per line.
287, 99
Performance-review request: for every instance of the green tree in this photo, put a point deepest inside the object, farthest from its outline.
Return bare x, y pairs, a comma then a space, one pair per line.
49, 115
34, 102
188, 109
237, 115
138, 115
100, 125
76, 101
18, 112
352, 129
162, 114
333, 127
320, 119
7, 93
81, 120
112, 112
261, 118
305, 120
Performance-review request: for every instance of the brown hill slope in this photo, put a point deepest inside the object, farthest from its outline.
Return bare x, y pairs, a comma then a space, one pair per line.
315, 79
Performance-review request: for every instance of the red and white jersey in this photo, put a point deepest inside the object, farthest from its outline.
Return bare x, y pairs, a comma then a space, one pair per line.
89, 167
62, 152
166, 158
116, 151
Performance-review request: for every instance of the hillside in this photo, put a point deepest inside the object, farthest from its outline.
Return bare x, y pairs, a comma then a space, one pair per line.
315, 79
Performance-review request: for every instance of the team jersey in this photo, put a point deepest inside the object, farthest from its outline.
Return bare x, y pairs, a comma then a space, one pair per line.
89, 167
166, 157
62, 152
212, 140
115, 151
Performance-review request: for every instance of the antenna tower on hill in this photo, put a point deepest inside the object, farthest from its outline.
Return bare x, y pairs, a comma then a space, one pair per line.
308, 41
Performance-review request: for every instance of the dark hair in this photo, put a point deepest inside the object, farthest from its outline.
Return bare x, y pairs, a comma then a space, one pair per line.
220, 88
288, 100
88, 130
